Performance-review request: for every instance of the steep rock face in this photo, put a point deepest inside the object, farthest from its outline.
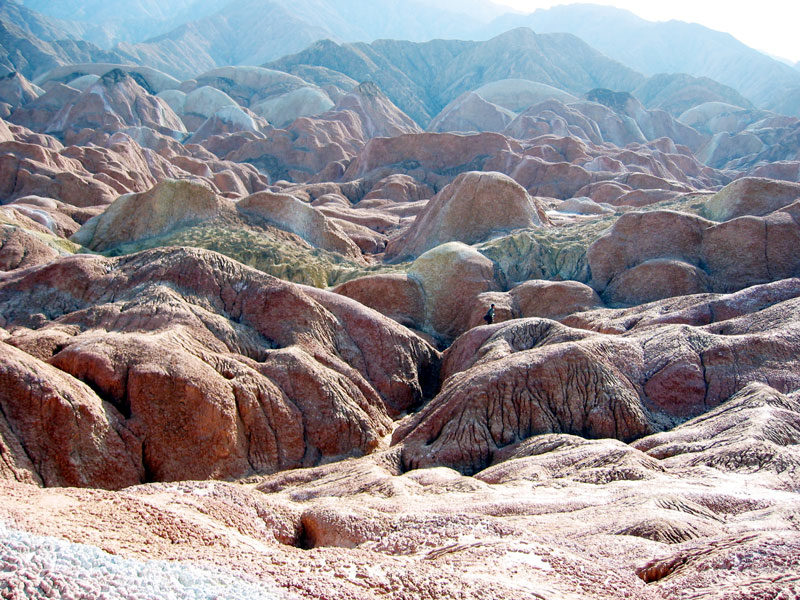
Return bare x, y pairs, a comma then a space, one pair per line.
205, 101
195, 351
397, 296
57, 218
303, 102
653, 124
20, 249
713, 118
552, 117
423, 78
468, 210
34, 169
471, 113
523, 388
248, 84
552, 299
509, 381
676, 93
33, 45
656, 279
152, 80
16, 90
602, 120
428, 153
399, 188
517, 95
556, 513
131, 160
227, 120
684, 254
446, 292
562, 165
303, 150
558, 60
55, 431
781, 171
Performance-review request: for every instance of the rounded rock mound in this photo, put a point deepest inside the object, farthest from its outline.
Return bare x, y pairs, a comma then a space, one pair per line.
131, 217
469, 210
755, 196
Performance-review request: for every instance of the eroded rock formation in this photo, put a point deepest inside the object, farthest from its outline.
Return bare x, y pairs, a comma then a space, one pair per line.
193, 366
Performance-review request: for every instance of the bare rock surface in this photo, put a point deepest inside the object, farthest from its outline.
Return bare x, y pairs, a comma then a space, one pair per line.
555, 516
651, 255
397, 296
114, 102
20, 248
130, 160
471, 112
287, 212
400, 188
757, 429
468, 210
751, 196
552, 299
506, 382
303, 102
435, 153
174, 423
57, 431
191, 350
380, 117
131, 217
452, 276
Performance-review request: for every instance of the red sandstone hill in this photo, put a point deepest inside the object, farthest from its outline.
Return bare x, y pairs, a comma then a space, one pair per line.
242, 331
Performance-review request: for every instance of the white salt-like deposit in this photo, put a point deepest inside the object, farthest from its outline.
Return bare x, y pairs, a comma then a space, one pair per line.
33, 567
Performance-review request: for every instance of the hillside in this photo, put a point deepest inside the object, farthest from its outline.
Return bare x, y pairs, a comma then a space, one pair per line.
423, 78
389, 320
32, 44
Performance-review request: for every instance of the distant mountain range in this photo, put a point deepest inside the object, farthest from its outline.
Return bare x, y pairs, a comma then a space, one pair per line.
108, 22
194, 36
32, 44
421, 78
668, 47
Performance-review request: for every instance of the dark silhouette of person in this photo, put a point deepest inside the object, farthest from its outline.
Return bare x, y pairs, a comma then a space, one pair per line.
489, 316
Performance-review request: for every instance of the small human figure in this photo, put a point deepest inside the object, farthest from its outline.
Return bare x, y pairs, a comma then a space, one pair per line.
489, 316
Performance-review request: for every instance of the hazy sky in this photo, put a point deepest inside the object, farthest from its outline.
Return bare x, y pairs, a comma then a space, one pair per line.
772, 26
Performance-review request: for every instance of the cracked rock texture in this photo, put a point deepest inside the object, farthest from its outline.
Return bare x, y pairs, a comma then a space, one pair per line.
168, 352
248, 359
555, 516
506, 382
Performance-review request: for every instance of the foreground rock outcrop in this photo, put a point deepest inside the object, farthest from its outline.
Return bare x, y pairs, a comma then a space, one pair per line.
506, 382
552, 517
182, 364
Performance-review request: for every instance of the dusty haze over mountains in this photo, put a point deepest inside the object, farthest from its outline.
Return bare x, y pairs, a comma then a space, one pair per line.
247, 254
